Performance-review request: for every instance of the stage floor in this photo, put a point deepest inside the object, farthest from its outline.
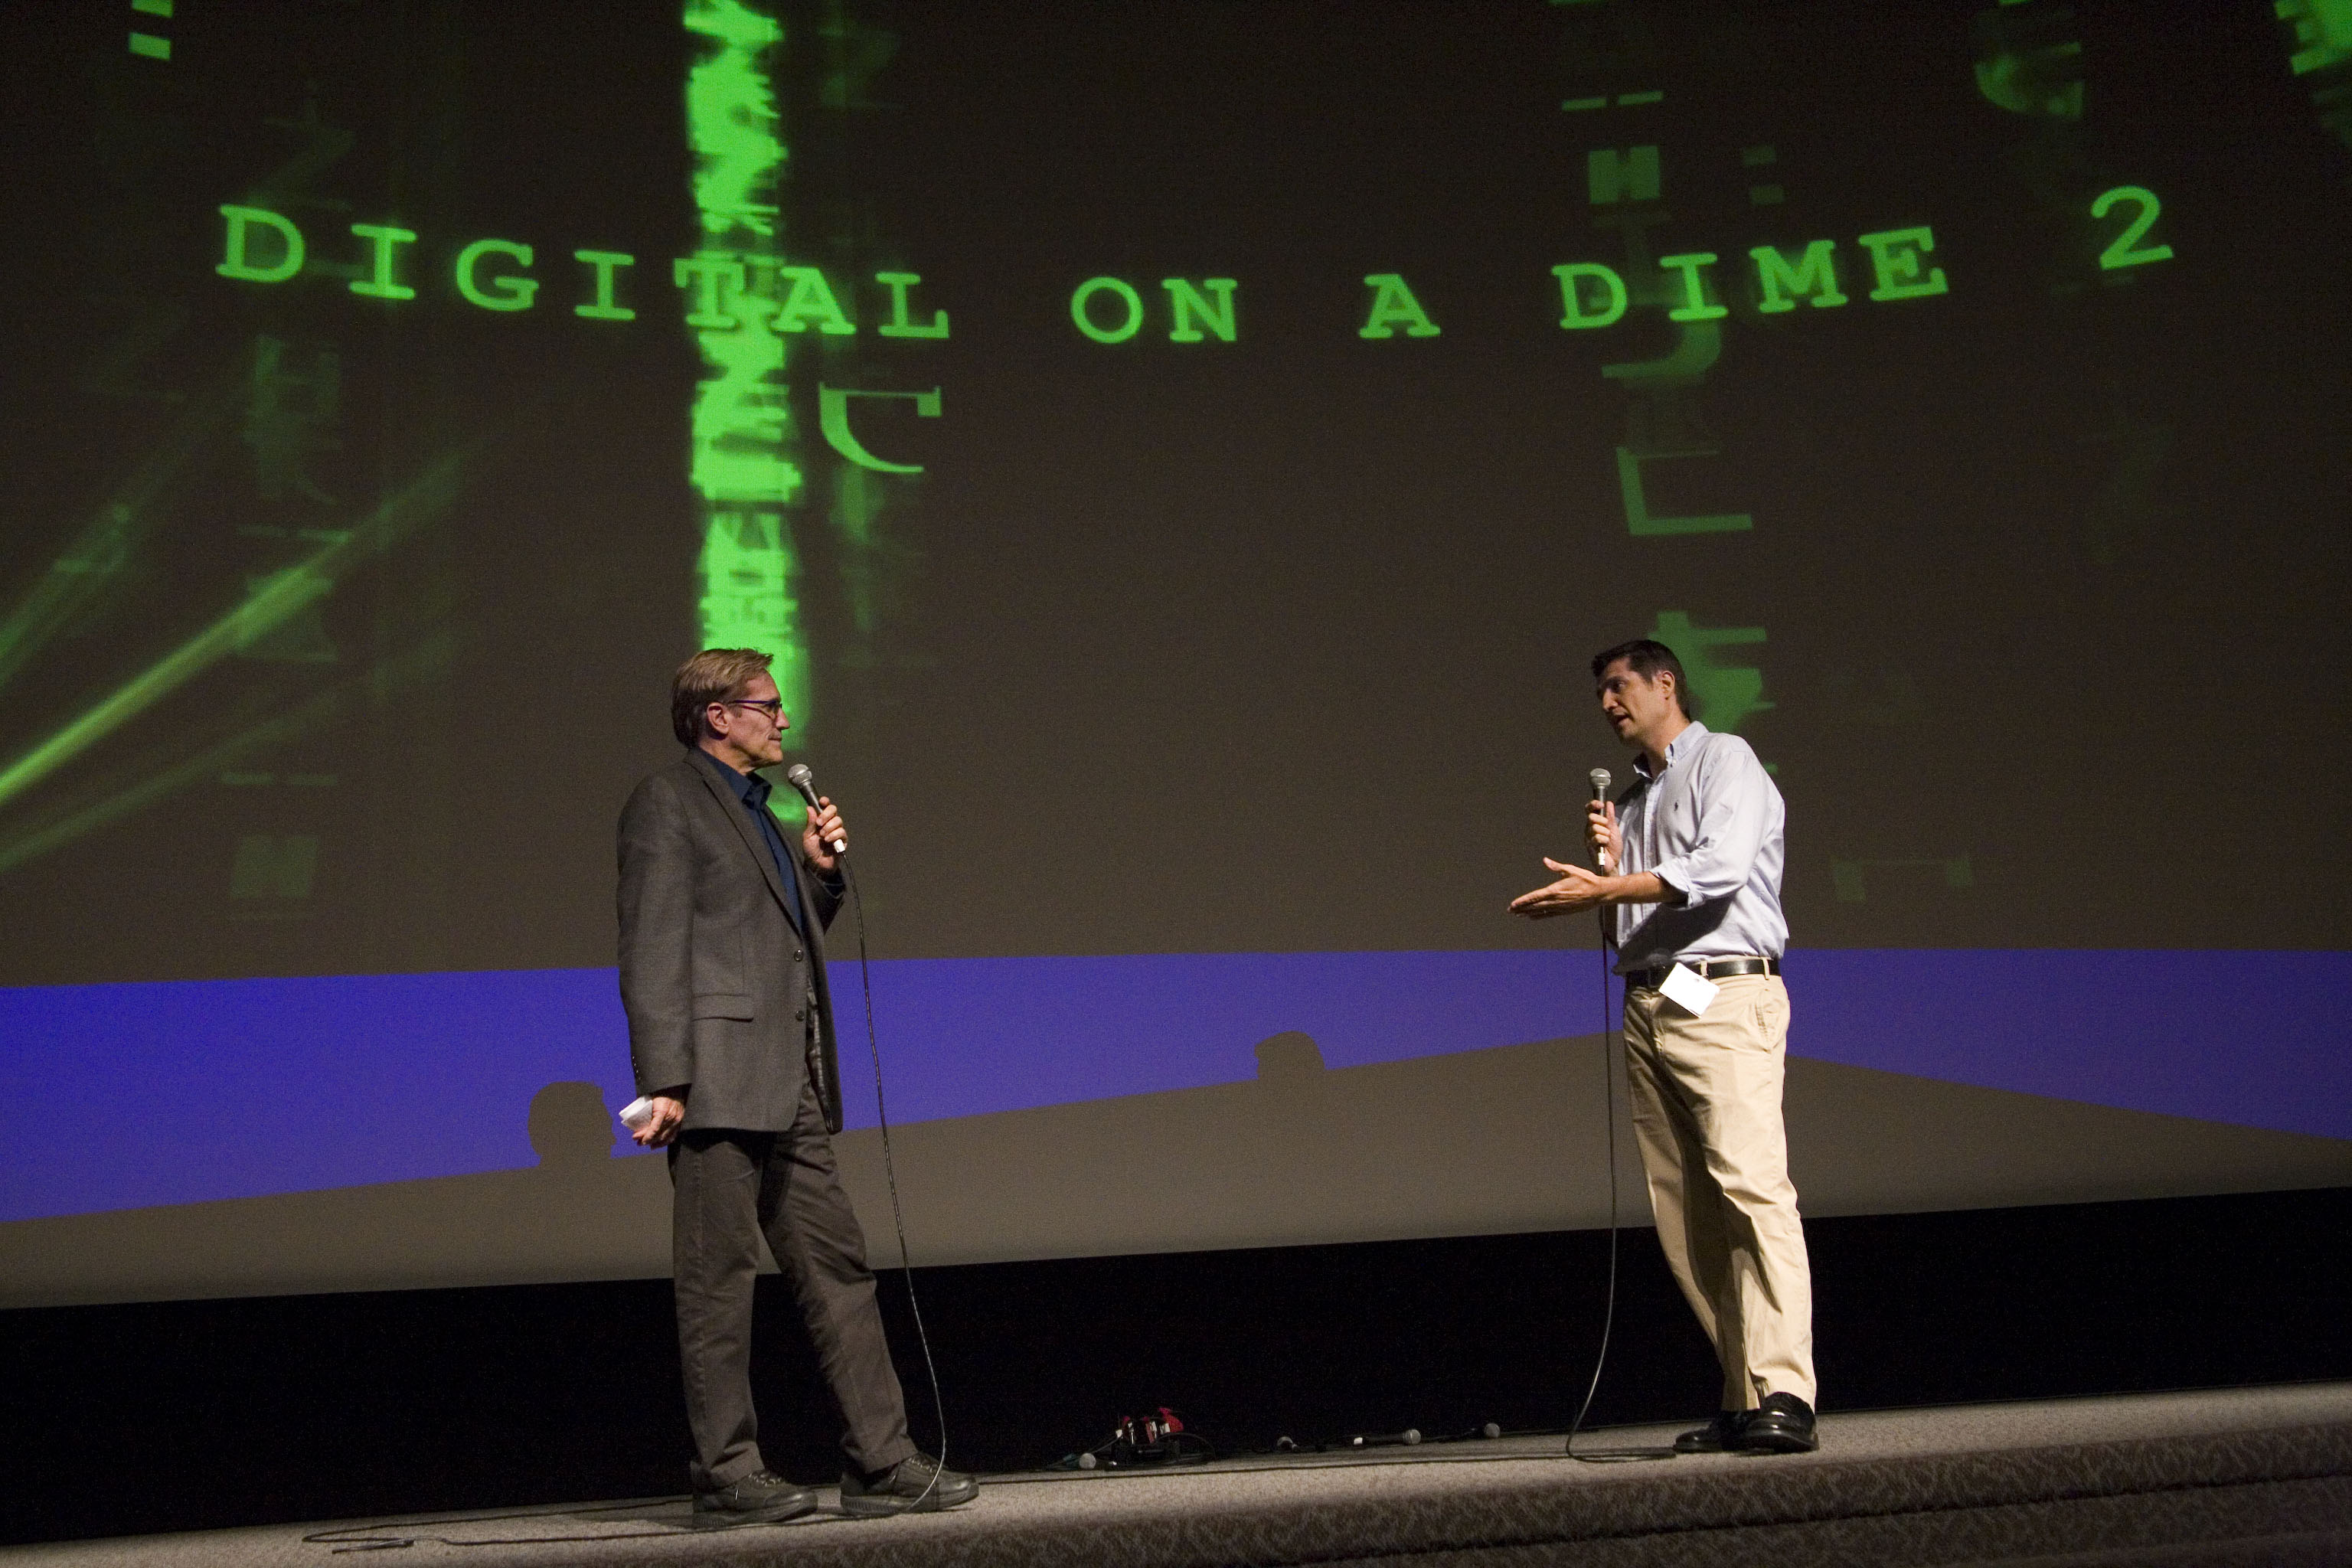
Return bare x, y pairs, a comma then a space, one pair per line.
2237, 1476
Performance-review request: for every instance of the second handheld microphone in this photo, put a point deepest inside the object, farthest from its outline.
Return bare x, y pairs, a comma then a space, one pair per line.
1600, 780
801, 779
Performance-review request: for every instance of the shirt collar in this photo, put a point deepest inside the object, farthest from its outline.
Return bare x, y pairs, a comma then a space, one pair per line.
1692, 734
750, 788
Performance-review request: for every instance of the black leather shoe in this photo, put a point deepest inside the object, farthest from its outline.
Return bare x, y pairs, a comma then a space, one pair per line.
1719, 1436
915, 1484
762, 1497
1782, 1423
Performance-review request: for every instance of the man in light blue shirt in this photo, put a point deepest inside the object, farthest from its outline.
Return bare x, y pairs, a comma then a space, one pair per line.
1690, 893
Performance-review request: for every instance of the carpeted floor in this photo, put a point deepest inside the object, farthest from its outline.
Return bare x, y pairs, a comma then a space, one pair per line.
2251, 1476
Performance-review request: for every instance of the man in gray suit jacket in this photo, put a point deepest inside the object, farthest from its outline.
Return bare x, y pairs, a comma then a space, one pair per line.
731, 1032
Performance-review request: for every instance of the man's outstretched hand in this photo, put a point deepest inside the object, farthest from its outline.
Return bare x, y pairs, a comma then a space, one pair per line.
1577, 890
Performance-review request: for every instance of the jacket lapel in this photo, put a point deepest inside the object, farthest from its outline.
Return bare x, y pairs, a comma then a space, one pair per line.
730, 806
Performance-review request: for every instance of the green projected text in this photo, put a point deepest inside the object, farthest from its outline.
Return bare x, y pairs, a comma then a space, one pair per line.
739, 285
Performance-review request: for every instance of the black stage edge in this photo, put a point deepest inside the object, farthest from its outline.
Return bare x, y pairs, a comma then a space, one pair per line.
181, 1415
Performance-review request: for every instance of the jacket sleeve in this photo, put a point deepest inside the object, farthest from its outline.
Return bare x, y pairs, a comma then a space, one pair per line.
657, 910
824, 893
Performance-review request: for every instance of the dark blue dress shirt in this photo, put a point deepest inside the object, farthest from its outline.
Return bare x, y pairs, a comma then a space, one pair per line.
753, 792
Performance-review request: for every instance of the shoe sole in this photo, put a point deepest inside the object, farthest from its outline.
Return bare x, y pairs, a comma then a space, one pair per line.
1778, 1442
1708, 1440
727, 1518
871, 1507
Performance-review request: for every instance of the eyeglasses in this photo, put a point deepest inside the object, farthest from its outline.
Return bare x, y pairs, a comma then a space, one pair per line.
774, 707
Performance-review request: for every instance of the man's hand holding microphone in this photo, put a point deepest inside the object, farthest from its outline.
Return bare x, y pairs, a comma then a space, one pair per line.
1578, 890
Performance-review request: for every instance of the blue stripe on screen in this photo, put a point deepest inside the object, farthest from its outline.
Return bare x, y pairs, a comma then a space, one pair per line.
187, 1091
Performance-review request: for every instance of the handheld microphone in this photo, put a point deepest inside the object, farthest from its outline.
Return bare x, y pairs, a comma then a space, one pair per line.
1600, 780
1408, 1437
801, 779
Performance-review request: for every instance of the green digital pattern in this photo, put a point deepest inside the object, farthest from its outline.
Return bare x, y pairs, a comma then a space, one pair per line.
1612, 176
2321, 57
1663, 417
425, 664
742, 461
833, 420
268, 603
2322, 33
100, 552
1727, 693
2027, 64
1851, 878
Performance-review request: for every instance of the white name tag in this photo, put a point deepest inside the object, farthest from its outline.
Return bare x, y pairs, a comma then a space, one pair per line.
1686, 989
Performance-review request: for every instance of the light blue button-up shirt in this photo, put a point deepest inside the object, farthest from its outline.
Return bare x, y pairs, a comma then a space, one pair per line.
1711, 824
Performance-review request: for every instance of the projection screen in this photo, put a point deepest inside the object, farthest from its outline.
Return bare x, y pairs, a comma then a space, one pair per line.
1182, 455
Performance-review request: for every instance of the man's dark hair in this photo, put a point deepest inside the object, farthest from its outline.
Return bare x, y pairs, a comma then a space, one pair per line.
1646, 657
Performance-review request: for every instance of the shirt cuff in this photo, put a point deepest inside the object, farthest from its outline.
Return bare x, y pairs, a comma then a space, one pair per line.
1676, 877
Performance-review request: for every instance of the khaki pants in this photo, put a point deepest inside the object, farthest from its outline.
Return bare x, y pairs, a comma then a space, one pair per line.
1706, 1111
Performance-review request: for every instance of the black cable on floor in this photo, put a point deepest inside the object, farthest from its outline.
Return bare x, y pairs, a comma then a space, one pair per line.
395, 1536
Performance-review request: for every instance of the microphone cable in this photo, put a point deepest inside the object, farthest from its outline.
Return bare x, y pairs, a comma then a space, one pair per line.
890, 1178
1609, 1309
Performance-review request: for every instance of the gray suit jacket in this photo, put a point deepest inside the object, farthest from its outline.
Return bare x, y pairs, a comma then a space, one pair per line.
718, 976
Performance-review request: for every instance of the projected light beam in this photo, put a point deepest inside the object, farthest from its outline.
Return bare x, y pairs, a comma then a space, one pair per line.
404, 670
277, 598
104, 542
